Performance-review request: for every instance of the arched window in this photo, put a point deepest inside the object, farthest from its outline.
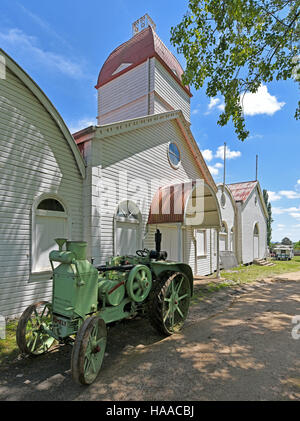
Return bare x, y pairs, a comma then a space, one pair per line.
232, 239
50, 221
127, 226
224, 237
256, 241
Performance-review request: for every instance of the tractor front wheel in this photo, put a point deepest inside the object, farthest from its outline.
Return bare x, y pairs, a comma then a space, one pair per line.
32, 337
169, 303
88, 350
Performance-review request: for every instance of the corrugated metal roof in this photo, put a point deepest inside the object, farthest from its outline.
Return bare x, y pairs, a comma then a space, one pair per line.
140, 47
169, 202
241, 191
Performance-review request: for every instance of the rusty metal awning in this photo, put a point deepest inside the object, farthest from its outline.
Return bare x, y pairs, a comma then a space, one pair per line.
192, 203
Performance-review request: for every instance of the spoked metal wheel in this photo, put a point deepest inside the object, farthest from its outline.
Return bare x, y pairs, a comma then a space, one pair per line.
31, 336
169, 303
88, 351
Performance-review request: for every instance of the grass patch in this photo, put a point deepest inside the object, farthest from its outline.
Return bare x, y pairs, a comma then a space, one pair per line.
245, 274
8, 347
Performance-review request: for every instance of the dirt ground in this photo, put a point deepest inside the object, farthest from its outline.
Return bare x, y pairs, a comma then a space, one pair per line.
237, 344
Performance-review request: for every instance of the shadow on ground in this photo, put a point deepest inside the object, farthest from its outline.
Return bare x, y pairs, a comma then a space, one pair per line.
244, 351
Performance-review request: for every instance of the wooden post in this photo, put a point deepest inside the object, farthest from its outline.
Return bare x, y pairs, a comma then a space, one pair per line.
218, 253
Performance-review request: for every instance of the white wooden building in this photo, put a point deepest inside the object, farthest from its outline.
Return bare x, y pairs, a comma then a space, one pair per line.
143, 136
252, 215
138, 170
41, 179
244, 221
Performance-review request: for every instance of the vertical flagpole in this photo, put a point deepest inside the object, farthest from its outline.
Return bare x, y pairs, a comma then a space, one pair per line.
224, 166
256, 172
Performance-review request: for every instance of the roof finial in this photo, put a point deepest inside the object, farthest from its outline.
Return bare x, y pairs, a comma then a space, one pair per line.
142, 23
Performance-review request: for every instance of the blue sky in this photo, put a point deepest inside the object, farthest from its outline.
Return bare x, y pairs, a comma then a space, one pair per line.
63, 44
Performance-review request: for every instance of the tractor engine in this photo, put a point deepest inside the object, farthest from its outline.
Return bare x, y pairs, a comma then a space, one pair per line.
75, 287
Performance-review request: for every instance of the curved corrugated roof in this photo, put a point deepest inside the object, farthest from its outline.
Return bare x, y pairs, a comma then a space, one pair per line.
139, 48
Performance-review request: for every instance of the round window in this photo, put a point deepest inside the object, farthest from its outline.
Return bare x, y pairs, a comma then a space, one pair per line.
174, 155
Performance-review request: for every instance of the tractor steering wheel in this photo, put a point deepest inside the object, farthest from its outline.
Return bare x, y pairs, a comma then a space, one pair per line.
143, 253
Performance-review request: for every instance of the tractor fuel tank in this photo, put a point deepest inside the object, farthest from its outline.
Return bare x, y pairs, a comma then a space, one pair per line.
75, 281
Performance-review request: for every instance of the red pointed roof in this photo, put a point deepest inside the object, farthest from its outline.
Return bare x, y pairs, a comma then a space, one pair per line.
241, 191
139, 48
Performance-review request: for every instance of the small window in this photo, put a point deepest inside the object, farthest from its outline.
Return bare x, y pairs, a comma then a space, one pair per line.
50, 221
256, 231
51, 205
174, 155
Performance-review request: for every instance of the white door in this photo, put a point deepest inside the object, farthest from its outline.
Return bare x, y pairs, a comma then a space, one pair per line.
127, 238
169, 242
255, 247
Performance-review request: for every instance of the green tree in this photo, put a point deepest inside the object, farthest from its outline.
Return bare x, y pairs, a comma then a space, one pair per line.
269, 220
236, 46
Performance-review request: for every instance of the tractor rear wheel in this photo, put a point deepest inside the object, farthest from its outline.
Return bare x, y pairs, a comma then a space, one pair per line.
169, 303
88, 350
31, 336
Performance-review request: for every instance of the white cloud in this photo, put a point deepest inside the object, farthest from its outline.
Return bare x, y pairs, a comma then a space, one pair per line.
289, 194
215, 103
295, 215
213, 170
43, 24
280, 211
261, 102
256, 136
81, 124
273, 196
18, 39
229, 154
219, 165
207, 154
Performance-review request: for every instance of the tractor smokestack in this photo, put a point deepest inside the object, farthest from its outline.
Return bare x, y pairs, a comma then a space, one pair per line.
158, 241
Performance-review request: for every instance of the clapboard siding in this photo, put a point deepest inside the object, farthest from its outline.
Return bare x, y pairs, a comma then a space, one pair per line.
228, 216
251, 214
121, 91
137, 93
35, 158
137, 108
141, 155
167, 87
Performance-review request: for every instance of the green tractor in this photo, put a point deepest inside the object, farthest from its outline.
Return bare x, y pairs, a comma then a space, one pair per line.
85, 299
